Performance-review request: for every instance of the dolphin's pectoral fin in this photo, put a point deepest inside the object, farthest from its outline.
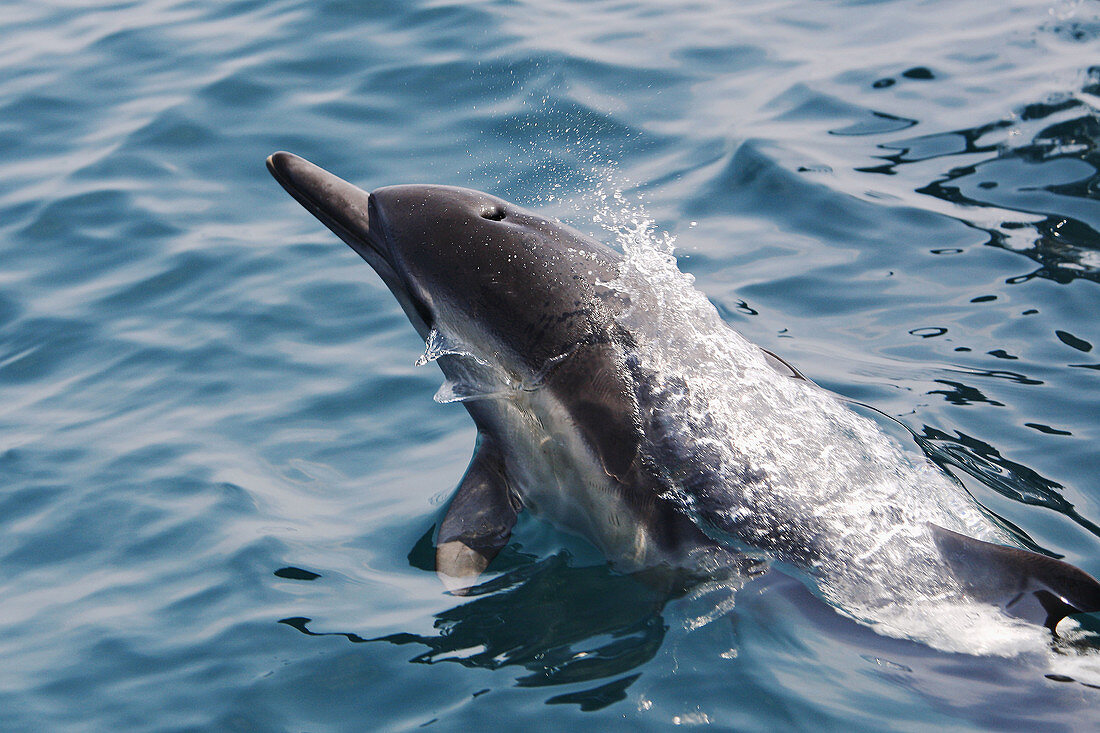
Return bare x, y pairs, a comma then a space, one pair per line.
478, 522
1025, 584
601, 402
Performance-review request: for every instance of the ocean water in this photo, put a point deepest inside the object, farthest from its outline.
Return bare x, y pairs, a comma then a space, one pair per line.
220, 468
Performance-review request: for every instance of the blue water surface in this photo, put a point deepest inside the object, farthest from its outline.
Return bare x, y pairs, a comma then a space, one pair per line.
220, 470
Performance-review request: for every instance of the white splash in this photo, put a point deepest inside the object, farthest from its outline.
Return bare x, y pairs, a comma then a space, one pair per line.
475, 377
471, 377
792, 461
465, 390
437, 345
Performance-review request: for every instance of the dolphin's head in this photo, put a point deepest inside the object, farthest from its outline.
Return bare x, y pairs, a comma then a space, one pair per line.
465, 262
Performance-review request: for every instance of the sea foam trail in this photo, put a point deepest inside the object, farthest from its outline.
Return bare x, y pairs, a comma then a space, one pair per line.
790, 470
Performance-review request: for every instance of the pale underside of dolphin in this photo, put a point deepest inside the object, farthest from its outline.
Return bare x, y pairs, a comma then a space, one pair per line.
580, 423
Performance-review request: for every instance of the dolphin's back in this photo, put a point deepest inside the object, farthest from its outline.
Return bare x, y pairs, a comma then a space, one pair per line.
1027, 585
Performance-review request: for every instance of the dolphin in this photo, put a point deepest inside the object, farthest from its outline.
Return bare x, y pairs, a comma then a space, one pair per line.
578, 423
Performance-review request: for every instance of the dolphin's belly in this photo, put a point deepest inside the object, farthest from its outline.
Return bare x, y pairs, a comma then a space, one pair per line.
558, 476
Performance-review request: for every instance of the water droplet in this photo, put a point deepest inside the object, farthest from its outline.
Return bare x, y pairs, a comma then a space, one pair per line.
457, 391
434, 347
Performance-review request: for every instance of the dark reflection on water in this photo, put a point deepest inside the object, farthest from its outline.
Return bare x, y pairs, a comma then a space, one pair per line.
563, 624
875, 123
1054, 175
1008, 478
962, 394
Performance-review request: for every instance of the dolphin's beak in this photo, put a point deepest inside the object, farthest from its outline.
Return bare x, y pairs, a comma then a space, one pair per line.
342, 207
351, 213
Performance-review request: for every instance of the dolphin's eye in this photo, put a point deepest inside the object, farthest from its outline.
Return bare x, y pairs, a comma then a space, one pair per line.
492, 213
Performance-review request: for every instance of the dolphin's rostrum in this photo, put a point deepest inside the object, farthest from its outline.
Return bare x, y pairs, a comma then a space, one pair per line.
578, 421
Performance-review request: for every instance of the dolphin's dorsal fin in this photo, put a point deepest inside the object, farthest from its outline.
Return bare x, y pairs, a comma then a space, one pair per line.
1025, 584
596, 390
782, 366
479, 519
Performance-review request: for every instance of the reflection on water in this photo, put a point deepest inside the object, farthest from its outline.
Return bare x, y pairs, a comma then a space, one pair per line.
1054, 176
1008, 478
562, 624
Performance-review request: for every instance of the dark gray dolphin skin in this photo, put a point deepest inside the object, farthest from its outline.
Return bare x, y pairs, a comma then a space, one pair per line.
522, 288
511, 305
